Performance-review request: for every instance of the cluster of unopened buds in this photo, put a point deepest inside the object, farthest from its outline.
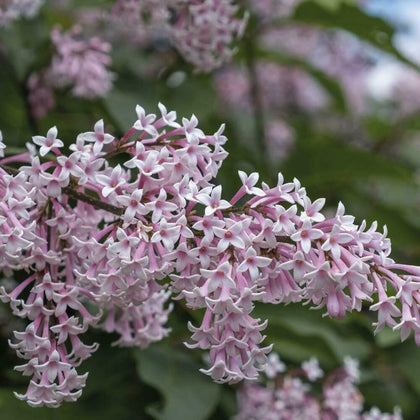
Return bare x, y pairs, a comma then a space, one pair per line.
110, 245
282, 396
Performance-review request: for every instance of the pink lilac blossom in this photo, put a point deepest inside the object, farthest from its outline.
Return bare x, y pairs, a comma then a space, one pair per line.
289, 396
11, 10
82, 65
203, 31
98, 240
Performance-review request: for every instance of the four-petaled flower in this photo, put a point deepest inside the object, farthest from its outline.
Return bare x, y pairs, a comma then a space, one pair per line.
305, 235
48, 142
213, 202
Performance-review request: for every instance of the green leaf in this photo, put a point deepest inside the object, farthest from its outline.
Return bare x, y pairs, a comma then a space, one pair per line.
406, 358
331, 86
188, 394
13, 118
320, 160
130, 90
352, 19
392, 203
334, 4
122, 104
308, 324
387, 338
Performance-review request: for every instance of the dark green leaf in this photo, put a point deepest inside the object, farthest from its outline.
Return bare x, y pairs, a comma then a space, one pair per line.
188, 394
307, 325
322, 160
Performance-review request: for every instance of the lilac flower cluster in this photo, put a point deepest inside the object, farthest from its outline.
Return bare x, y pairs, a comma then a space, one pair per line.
202, 30
81, 65
289, 395
99, 239
205, 30
11, 10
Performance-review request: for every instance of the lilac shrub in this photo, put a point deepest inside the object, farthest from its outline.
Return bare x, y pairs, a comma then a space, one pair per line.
111, 245
280, 395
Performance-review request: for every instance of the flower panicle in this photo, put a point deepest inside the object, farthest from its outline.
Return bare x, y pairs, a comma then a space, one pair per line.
93, 235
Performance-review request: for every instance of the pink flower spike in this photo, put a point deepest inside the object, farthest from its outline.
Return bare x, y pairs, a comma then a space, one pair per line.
47, 143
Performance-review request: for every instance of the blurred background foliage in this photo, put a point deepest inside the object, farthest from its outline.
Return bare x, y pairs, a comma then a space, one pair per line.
335, 133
